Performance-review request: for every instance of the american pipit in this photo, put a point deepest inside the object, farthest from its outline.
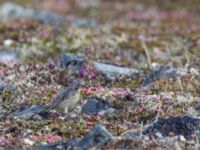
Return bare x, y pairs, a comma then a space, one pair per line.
67, 98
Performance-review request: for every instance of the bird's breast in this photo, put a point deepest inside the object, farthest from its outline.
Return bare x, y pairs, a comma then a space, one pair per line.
70, 102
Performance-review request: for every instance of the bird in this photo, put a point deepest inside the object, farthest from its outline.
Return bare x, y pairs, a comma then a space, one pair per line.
67, 98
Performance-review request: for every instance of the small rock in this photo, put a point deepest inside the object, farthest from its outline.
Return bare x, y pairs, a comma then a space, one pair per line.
94, 106
1, 87
192, 112
29, 112
6, 56
71, 61
164, 71
109, 111
9, 87
197, 107
111, 71
181, 125
97, 136
130, 135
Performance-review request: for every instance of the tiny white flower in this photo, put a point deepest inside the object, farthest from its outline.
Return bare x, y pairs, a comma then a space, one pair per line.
29, 142
194, 71
8, 42
182, 138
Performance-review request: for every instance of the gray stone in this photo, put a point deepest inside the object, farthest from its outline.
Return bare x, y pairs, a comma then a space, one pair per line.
112, 71
83, 22
97, 136
193, 111
108, 111
180, 125
164, 71
130, 135
94, 106
11, 10
6, 56
1, 87
28, 113
71, 61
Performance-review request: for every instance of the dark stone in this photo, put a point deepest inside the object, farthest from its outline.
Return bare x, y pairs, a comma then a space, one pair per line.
197, 107
28, 113
97, 136
112, 71
164, 71
1, 87
182, 125
93, 106
71, 61
96, 106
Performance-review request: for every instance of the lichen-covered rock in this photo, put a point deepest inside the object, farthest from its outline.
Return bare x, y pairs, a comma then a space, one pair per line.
164, 71
181, 125
112, 71
97, 136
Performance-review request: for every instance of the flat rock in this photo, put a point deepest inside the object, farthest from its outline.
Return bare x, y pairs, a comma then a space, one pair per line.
57, 146
164, 71
28, 113
97, 136
181, 125
94, 106
112, 71
71, 61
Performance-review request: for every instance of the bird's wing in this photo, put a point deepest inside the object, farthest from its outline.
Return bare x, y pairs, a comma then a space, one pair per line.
62, 95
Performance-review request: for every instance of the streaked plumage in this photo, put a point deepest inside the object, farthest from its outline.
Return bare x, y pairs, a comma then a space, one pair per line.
67, 98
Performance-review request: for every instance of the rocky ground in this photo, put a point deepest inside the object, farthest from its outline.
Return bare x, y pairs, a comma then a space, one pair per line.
140, 61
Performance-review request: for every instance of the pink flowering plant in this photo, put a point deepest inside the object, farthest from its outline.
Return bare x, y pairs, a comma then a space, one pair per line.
106, 91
